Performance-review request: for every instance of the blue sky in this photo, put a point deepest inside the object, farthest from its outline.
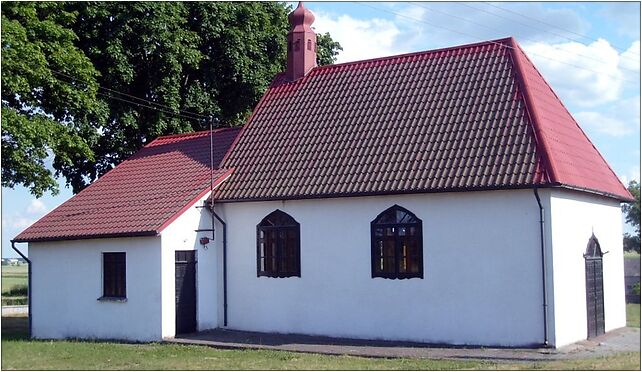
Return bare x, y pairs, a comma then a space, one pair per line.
589, 52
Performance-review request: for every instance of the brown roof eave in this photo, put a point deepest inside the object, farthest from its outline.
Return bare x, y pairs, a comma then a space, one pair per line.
621, 198
85, 237
408, 192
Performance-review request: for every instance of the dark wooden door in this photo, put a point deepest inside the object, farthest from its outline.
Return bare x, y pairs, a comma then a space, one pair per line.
185, 291
594, 296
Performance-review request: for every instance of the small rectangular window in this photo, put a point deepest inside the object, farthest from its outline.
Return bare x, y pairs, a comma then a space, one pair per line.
114, 275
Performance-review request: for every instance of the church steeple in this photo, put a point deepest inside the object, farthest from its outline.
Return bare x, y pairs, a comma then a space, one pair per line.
302, 44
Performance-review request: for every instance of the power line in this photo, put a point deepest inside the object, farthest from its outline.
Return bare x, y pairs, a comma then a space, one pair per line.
426, 22
498, 30
550, 25
547, 31
161, 107
500, 44
107, 95
147, 106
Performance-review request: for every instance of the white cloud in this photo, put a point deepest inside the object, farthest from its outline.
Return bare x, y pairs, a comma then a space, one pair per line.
360, 39
584, 75
602, 123
21, 222
36, 207
630, 62
618, 119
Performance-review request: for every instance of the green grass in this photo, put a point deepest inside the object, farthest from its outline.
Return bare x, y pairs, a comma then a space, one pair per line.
14, 284
19, 353
633, 315
13, 276
631, 254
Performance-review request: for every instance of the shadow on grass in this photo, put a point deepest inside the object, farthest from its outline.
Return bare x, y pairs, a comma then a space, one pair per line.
15, 327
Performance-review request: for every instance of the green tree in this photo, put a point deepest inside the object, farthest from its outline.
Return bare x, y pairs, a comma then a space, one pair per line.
144, 50
42, 115
187, 61
631, 242
632, 211
327, 49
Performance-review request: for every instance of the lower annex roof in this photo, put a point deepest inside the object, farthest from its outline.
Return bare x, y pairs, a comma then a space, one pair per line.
143, 194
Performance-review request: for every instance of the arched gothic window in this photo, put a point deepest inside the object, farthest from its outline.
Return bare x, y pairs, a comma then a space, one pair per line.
397, 251
594, 287
278, 246
593, 249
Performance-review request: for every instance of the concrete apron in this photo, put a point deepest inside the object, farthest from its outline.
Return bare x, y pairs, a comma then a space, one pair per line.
616, 341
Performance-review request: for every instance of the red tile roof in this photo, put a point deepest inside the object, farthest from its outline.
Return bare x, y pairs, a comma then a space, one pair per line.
573, 160
472, 117
143, 194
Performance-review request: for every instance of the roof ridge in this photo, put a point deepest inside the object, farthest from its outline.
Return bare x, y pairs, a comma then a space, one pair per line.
243, 127
222, 175
188, 134
412, 54
531, 110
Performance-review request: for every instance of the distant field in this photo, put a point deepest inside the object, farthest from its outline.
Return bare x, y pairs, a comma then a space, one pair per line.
631, 254
13, 276
10, 269
14, 270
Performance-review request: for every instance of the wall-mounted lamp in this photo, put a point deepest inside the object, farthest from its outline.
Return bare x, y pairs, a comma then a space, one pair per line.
204, 240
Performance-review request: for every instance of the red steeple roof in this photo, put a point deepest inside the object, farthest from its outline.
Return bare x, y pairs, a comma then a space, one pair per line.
471, 117
302, 43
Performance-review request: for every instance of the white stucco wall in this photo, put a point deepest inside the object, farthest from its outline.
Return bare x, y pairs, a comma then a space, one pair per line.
181, 235
573, 217
482, 271
67, 282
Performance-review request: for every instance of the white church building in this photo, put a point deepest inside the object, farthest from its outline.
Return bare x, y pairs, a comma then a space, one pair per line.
444, 196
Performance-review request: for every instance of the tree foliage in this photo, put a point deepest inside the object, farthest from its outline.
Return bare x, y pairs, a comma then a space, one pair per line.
327, 49
42, 114
632, 211
187, 61
631, 242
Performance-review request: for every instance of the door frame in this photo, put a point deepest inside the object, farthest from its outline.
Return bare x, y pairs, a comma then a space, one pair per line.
593, 255
194, 262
